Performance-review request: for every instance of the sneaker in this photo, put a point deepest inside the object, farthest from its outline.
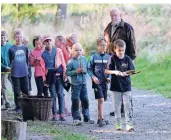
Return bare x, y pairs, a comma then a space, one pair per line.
112, 113
62, 117
129, 128
7, 105
77, 122
118, 126
101, 122
31, 93
106, 121
89, 122
67, 113
55, 117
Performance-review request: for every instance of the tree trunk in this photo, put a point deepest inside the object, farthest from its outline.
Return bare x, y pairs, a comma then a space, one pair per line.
62, 10
61, 14
13, 130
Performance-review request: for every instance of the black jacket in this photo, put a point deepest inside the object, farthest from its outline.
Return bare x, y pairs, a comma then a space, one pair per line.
125, 32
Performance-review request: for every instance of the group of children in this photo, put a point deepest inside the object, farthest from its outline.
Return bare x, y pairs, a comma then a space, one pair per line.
54, 63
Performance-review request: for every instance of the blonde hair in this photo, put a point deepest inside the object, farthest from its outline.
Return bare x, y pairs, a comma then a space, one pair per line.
18, 31
76, 45
119, 43
61, 38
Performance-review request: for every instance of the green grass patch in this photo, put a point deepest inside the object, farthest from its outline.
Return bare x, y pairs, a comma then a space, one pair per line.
53, 130
155, 76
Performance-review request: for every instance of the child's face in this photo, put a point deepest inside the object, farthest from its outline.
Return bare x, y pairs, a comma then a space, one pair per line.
101, 47
25, 42
58, 44
38, 44
77, 51
69, 43
18, 39
4, 40
48, 43
120, 51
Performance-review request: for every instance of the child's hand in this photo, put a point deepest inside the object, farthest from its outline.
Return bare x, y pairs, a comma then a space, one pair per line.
95, 80
78, 70
123, 74
83, 70
8, 69
108, 80
117, 73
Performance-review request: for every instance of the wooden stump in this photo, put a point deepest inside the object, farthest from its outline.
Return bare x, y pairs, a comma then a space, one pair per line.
13, 130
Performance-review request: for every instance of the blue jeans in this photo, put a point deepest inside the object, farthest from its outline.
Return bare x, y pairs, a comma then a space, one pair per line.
79, 92
57, 89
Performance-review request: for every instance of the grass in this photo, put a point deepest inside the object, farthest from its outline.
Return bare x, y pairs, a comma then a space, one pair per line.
53, 130
155, 76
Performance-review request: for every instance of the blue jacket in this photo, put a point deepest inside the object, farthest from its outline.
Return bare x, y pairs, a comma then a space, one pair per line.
49, 60
5, 57
97, 66
73, 64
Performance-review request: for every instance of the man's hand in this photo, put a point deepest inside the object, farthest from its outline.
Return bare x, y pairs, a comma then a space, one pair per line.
95, 80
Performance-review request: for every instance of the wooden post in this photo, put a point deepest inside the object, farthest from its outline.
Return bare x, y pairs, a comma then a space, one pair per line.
13, 130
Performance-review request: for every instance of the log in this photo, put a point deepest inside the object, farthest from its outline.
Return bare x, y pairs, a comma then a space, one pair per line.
13, 130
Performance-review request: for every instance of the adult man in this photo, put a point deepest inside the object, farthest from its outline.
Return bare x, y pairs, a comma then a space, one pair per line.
118, 29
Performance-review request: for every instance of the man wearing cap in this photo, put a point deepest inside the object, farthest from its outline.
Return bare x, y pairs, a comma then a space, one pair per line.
118, 29
56, 69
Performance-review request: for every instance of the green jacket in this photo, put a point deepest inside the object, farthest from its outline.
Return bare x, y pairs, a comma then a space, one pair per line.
73, 64
5, 57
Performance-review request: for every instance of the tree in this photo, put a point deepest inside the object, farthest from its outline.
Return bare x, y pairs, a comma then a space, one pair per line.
61, 13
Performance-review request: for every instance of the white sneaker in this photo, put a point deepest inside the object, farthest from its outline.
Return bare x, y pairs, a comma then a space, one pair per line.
77, 122
31, 93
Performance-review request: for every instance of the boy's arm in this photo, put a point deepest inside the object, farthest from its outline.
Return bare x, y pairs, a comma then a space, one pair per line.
32, 59
116, 72
130, 64
69, 70
90, 67
27, 56
10, 56
109, 69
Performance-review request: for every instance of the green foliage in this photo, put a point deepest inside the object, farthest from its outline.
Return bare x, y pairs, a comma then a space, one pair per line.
154, 76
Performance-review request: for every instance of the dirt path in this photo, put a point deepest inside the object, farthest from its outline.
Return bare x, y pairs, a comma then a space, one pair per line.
152, 118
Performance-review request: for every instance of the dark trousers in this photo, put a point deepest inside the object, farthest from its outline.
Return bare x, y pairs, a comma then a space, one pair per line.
79, 92
29, 83
19, 85
41, 89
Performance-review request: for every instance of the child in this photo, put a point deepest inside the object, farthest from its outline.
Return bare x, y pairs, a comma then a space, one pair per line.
96, 70
38, 63
60, 42
25, 42
77, 69
56, 67
121, 84
18, 56
5, 66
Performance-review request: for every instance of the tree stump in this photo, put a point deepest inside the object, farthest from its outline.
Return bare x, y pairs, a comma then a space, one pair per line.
13, 130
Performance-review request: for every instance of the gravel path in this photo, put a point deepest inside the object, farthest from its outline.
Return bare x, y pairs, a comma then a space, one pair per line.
152, 118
